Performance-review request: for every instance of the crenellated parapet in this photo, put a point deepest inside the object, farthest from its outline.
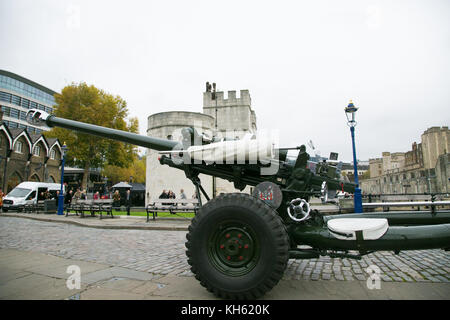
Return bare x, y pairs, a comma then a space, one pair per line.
231, 99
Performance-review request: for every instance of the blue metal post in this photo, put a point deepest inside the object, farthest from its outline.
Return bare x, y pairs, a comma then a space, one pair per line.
61, 192
357, 197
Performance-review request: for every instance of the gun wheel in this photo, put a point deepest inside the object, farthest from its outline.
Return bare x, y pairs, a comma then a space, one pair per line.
237, 247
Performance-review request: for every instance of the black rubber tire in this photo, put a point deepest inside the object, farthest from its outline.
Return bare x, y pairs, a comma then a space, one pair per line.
268, 230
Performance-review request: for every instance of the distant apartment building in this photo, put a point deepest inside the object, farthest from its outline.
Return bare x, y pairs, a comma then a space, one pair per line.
18, 95
423, 169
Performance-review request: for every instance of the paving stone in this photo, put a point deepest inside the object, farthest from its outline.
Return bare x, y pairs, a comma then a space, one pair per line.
315, 276
386, 278
443, 279
326, 276
339, 277
360, 277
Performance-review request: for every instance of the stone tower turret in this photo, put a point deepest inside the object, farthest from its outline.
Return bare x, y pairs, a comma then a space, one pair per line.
231, 113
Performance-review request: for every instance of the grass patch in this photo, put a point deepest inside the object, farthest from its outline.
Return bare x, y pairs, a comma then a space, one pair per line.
160, 214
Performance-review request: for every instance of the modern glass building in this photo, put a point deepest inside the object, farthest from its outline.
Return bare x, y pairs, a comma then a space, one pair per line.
18, 95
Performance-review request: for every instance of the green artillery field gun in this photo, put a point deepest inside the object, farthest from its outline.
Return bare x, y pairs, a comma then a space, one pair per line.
238, 244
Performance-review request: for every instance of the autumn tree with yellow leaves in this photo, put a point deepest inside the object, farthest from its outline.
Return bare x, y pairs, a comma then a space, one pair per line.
81, 102
117, 174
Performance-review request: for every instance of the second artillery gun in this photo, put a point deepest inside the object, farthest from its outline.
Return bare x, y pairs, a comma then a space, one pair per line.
238, 244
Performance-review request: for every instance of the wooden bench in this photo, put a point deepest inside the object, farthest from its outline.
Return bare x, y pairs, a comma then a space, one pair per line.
103, 205
171, 205
91, 206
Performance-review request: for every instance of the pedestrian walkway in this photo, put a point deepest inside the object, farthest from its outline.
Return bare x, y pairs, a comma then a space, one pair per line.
31, 275
118, 222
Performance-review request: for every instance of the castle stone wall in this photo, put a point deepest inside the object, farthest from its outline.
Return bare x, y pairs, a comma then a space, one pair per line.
168, 125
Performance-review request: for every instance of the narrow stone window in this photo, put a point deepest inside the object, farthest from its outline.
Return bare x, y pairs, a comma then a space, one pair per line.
37, 151
18, 147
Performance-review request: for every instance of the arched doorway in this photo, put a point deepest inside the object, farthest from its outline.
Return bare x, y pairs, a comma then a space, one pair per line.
51, 179
35, 178
13, 181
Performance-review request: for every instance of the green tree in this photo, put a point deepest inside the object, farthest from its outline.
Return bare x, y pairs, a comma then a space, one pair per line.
84, 103
117, 174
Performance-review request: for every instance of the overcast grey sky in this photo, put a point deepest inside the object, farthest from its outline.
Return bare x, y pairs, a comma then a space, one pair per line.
301, 60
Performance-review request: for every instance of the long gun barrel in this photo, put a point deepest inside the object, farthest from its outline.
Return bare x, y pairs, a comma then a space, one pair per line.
39, 117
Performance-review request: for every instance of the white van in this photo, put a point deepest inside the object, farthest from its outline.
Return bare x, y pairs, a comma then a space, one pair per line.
28, 193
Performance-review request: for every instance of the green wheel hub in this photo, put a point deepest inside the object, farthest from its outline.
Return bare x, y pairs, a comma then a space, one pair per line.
233, 248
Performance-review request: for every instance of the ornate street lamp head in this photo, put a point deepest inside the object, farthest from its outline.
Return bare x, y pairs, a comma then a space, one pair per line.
350, 111
64, 149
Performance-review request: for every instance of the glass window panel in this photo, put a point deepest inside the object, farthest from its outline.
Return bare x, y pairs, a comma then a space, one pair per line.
6, 110
4, 96
15, 100
14, 113
25, 103
18, 146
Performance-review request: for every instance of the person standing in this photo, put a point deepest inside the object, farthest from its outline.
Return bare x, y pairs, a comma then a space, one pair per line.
68, 200
128, 201
1, 199
57, 199
182, 196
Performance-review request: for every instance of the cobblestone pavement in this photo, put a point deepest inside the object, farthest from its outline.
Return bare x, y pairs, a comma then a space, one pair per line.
163, 252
